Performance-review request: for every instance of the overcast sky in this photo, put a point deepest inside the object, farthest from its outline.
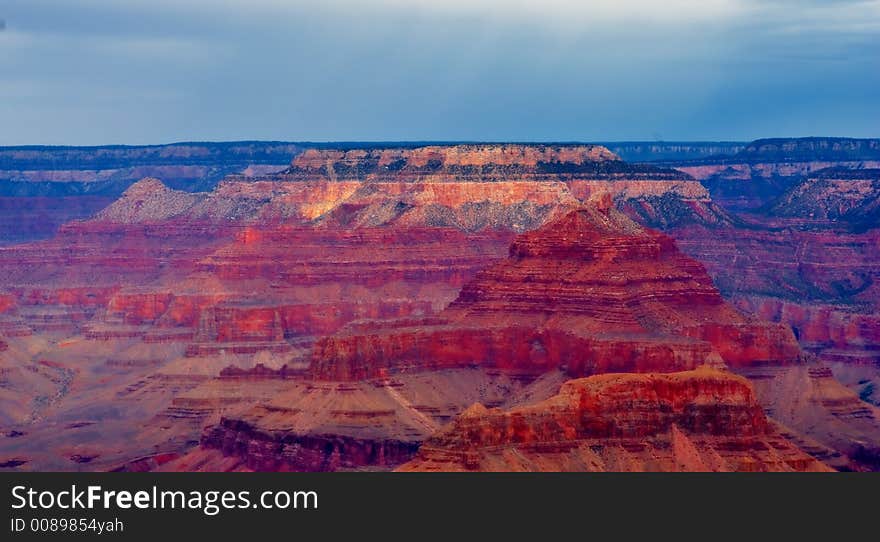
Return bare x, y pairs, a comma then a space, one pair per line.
148, 71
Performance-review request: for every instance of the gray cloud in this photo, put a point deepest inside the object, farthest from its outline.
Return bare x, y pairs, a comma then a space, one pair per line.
96, 71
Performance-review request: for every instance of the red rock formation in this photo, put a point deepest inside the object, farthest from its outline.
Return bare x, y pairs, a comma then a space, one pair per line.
835, 332
702, 420
175, 283
140, 308
590, 292
308, 236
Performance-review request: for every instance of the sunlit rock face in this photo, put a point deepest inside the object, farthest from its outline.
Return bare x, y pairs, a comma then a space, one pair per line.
701, 420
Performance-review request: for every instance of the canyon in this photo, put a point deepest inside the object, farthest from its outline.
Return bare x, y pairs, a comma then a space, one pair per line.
376, 306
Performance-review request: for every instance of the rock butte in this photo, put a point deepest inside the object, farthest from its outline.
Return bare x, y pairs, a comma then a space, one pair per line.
589, 292
701, 420
165, 288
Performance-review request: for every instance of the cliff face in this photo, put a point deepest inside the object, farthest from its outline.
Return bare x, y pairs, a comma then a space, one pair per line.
805, 252
464, 162
812, 148
802, 250
589, 292
512, 202
319, 426
702, 420
329, 177
850, 196
461, 175
658, 151
765, 169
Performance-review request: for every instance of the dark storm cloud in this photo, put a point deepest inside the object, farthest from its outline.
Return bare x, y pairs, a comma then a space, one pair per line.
100, 71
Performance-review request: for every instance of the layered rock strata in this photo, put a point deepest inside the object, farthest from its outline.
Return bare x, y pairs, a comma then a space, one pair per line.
702, 420
590, 292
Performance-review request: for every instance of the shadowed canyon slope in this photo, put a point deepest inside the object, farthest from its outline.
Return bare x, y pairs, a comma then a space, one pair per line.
850, 196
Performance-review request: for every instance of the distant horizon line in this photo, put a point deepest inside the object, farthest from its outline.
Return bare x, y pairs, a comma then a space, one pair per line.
425, 142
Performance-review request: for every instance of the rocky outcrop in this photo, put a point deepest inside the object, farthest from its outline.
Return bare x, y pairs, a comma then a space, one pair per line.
479, 162
148, 200
300, 246
468, 187
850, 196
590, 292
205, 306
452, 181
842, 333
702, 420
